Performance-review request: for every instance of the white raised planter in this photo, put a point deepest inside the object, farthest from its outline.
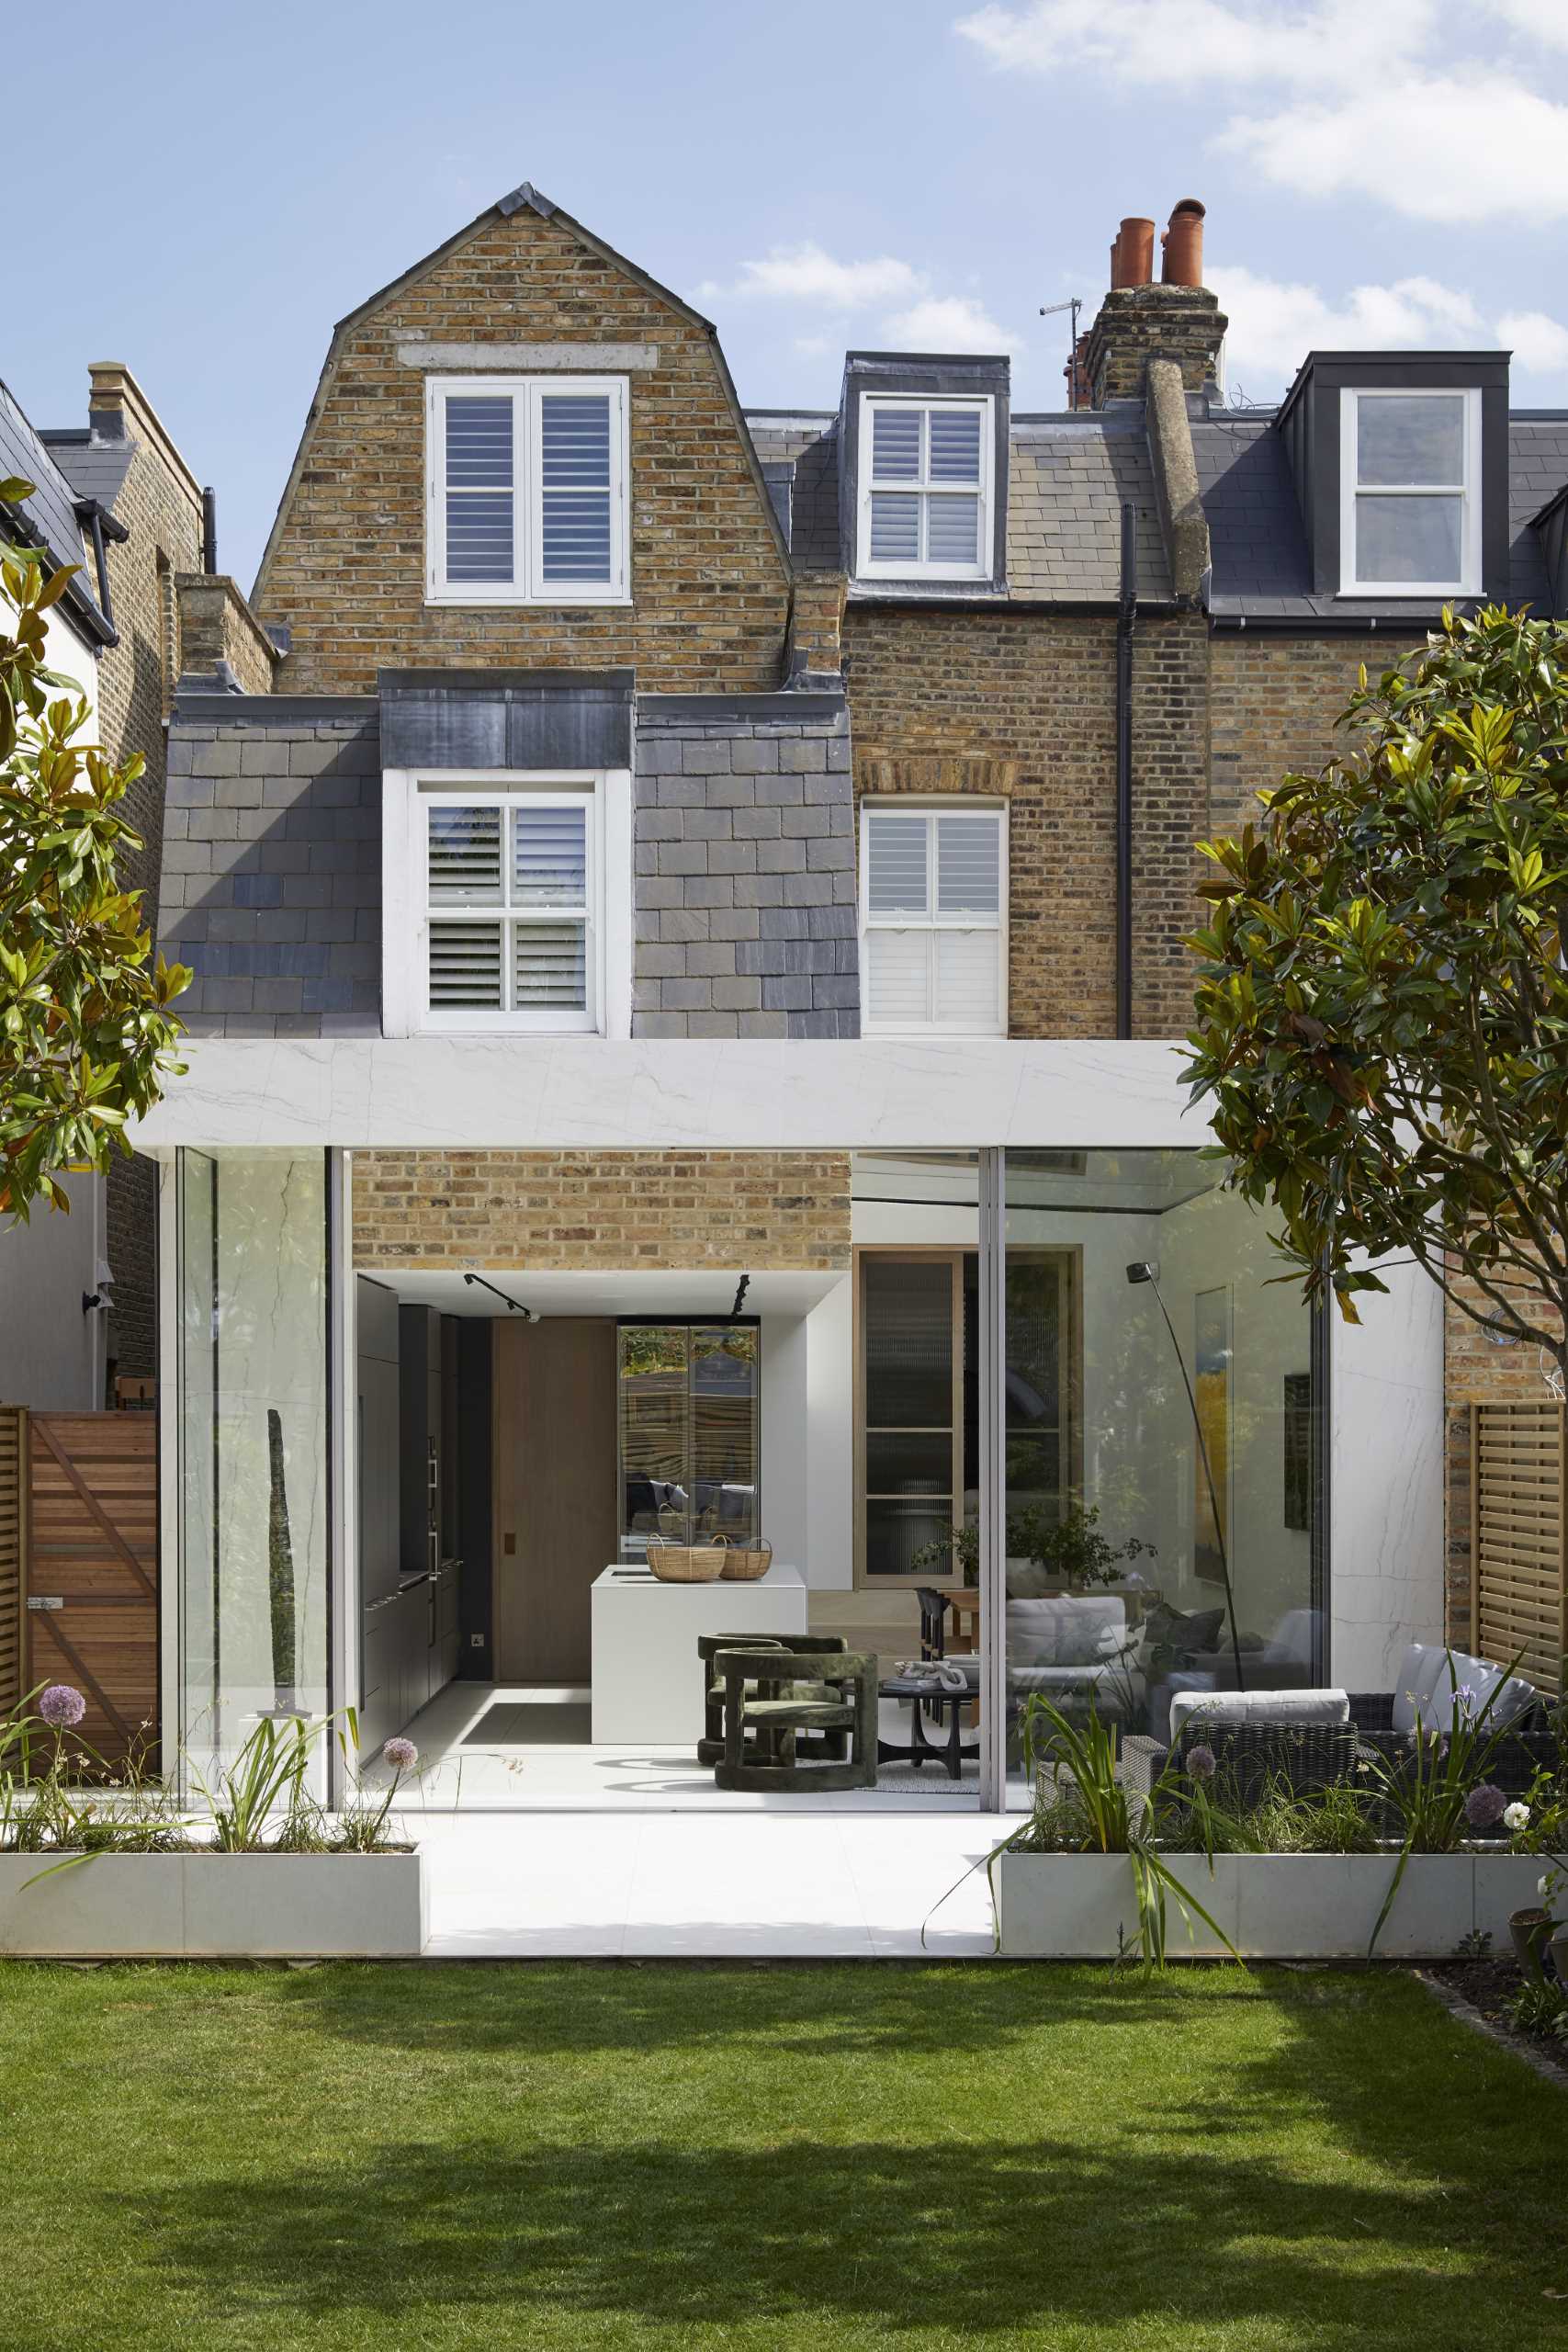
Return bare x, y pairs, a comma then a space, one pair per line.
1273, 1906
215, 1906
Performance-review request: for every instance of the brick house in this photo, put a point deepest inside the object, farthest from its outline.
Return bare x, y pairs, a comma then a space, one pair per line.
115, 498
687, 910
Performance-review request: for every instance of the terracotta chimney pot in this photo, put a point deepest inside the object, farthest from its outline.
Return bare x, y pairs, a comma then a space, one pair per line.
1137, 246
1182, 246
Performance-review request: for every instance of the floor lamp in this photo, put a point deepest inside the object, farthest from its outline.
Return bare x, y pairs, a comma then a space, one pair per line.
1142, 1270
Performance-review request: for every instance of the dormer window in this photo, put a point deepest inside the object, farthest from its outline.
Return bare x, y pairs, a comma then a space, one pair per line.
1410, 478
926, 488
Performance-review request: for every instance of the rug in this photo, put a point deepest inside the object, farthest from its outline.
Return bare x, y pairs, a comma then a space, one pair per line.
517, 1723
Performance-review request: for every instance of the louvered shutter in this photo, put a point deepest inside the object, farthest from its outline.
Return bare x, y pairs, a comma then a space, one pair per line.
464, 870
576, 461
549, 871
481, 514
925, 487
934, 896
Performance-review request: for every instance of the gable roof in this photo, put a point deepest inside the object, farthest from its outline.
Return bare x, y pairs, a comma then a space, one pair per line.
524, 196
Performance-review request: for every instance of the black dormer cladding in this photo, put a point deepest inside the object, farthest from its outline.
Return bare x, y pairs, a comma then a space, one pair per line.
940, 377
1309, 425
506, 718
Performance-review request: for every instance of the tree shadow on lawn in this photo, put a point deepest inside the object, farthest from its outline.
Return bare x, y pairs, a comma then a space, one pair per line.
1346, 2170
1026, 2234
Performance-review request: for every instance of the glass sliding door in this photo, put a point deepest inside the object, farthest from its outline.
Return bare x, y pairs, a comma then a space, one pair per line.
1171, 1534
254, 1545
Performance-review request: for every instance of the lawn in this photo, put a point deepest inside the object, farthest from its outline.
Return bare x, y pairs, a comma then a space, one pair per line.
583, 2155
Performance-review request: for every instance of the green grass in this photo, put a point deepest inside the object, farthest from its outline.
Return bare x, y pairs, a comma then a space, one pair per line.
780, 2157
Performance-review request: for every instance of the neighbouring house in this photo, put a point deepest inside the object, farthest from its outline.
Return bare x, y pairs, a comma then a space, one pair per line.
687, 907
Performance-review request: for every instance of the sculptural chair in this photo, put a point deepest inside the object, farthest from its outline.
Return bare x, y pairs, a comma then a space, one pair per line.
832, 1747
763, 1732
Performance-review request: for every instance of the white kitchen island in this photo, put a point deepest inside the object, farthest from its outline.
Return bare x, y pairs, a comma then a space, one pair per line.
648, 1683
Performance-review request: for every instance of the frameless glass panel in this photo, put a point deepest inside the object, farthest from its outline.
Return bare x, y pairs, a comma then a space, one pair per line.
254, 1445
1153, 1469
1409, 441
652, 1422
689, 1433
895, 527
724, 1432
1415, 538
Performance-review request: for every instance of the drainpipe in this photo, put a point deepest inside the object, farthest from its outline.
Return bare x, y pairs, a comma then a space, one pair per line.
1126, 620
210, 532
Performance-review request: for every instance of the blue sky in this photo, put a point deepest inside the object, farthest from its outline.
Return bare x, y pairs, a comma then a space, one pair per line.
212, 188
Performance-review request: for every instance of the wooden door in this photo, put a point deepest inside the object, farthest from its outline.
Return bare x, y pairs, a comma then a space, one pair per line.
92, 1568
556, 1522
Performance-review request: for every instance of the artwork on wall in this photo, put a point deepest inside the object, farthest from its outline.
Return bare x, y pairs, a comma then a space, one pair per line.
1212, 1387
1298, 1432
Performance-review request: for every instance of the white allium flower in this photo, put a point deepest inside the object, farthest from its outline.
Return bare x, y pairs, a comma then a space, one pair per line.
1515, 1816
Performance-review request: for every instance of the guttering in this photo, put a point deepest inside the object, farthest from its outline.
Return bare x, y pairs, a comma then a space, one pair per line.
1126, 622
1334, 624
75, 599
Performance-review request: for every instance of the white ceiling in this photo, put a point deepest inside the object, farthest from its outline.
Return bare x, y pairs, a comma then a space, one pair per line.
638, 1291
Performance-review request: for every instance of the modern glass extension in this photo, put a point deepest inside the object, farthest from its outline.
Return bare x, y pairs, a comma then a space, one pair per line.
1041, 1425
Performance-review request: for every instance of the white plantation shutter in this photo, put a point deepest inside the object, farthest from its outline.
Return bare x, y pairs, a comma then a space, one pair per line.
932, 912
527, 487
509, 891
480, 534
575, 485
925, 492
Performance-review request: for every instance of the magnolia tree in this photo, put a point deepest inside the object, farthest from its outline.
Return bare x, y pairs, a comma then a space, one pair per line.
1383, 1004
85, 1030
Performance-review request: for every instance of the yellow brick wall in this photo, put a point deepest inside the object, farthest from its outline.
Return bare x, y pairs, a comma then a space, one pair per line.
601, 1210
347, 568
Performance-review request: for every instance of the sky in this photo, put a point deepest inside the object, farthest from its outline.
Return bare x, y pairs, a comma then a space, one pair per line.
203, 191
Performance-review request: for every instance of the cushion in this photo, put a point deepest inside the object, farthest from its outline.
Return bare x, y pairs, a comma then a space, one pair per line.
1255, 1707
1418, 1672
1290, 1641
1067, 1629
1168, 1628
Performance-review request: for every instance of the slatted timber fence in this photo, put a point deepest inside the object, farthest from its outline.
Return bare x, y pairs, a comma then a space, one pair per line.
1518, 1581
13, 1550
91, 1582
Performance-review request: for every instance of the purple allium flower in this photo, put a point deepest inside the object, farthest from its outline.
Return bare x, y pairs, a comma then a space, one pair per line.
63, 1706
1201, 1763
401, 1754
1485, 1805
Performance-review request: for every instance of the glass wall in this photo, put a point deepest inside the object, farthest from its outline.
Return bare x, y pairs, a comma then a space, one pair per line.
1171, 1390
688, 1430
255, 1487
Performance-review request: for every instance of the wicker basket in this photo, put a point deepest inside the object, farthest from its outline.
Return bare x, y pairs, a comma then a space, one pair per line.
744, 1563
686, 1563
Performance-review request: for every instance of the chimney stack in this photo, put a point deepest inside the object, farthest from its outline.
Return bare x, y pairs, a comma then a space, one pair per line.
1176, 318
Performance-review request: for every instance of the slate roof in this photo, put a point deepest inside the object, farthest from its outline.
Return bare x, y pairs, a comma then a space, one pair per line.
1068, 476
49, 517
94, 467
1261, 565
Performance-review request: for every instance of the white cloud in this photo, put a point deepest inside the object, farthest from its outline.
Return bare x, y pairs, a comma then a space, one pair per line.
1540, 345
807, 274
949, 323
1453, 150
1273, 324
1180, 42
1349, 97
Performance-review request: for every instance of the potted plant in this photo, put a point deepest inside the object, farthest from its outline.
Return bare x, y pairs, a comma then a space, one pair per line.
1068, 1550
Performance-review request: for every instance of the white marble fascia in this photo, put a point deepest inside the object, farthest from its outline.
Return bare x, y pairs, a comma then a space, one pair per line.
646, 1093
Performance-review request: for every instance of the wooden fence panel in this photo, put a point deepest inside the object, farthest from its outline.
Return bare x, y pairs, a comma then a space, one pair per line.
92, 1587
13, 1550
1519, 1568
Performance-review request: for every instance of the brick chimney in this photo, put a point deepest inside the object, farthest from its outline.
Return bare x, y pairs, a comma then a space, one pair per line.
1176, 318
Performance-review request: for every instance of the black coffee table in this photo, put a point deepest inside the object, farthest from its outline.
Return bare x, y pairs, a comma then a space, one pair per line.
920, 1751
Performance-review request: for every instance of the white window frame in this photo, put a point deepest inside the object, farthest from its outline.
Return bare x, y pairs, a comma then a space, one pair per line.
985, 406
407, 797
906, 805
525, 586
1469, 583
